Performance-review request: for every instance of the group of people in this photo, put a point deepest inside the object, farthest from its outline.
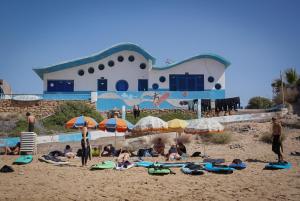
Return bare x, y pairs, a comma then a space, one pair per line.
176, 151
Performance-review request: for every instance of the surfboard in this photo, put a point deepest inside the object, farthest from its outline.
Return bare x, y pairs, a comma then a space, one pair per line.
23, 159
278, 165
162, 98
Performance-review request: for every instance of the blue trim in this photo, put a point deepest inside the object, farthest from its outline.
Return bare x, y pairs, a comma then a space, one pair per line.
202, 56
73, 92
94, 58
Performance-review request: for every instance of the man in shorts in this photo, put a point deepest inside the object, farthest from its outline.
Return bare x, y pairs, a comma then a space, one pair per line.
276, 144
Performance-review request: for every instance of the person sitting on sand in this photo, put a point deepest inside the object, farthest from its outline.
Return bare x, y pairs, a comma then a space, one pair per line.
123, 159
68, 152
173, 153
108, 150
277, 144
181, 149
159, 147
13, 150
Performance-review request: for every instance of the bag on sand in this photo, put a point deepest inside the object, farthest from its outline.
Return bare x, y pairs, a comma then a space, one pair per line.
6, 169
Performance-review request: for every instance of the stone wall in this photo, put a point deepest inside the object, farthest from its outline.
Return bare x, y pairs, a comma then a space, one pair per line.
39, 108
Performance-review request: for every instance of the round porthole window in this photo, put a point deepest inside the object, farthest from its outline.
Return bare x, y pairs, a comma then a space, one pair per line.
91, 70
162, 78
211, 79
122, 85
218, 86
120, 58
101, 67
111, 63
131, 58
81, 72
155, 86
142, 66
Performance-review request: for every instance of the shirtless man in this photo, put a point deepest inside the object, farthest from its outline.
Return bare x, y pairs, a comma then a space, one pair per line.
31, 121
276, 144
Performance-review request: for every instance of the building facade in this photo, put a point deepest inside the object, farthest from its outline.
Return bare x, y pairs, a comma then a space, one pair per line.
126, 74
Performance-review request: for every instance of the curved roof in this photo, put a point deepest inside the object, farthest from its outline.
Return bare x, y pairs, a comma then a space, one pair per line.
119, 48
201, 56
95, 57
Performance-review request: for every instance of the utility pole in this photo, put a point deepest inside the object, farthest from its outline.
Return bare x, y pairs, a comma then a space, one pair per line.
282, 88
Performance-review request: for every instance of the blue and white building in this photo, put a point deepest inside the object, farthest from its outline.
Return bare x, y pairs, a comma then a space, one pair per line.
126, 74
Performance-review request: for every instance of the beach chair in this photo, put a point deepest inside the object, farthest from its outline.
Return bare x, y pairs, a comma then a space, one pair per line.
28, 142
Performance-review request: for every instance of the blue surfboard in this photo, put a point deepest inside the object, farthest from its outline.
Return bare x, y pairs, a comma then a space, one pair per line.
278, 165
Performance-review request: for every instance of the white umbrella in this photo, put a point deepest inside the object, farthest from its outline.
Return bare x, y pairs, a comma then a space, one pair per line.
150, 123
204, 125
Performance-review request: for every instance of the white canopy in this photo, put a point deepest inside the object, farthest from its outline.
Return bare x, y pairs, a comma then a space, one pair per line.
204, 125
150, 123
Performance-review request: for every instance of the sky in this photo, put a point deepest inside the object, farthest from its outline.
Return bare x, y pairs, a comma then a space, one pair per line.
259, 37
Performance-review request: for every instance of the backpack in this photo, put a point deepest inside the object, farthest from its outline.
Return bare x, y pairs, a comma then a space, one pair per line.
237, 161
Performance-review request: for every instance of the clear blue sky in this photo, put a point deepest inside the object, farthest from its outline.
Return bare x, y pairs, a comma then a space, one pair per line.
259, 38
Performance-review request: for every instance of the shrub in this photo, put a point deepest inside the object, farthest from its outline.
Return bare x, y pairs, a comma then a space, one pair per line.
68, 110
259, 103
268, 138
216, 138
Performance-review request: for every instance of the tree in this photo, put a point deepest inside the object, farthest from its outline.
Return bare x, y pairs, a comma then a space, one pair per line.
289, 86
259, 103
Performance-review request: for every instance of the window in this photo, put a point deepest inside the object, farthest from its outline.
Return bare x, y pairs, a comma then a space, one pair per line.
81, 72
60, 85
91, 70
143, 85
218, 86
162, 78
211, 79
111, 63
102, 84
186, 82
120, 58
131, 58
122, 85
155, 86
101, 67
142, 66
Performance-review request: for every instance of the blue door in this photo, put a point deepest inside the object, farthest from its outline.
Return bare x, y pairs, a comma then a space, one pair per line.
60, 85
143, 85
102, 85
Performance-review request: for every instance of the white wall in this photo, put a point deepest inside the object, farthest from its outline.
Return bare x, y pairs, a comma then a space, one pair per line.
126, 70
207, 67
131, 72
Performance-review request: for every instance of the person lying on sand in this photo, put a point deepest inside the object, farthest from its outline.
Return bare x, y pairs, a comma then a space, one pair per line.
108, 150
173, 153
13, 150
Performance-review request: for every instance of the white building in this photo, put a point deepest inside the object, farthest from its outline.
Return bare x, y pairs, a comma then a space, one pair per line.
127, 74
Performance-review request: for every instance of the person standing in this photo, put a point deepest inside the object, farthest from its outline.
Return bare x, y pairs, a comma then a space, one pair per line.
276, 134
85, 145
30, 121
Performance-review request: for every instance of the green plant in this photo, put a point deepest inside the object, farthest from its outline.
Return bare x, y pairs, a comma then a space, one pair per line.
67, 111
259, 103
268, 137
216, 138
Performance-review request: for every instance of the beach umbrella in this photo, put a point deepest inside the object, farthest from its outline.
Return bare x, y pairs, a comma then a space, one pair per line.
204, 125
177, 125
115, 124
150, 123
78, 122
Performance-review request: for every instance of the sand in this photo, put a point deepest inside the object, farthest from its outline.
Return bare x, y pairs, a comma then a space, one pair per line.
42, 181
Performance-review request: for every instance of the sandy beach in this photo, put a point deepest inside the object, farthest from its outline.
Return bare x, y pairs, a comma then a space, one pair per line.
42, 181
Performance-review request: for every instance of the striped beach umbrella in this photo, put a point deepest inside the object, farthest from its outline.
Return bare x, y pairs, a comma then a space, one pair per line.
115, 124
78, 122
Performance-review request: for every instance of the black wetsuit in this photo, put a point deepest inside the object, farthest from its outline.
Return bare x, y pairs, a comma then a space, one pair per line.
276, 144
85, 150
